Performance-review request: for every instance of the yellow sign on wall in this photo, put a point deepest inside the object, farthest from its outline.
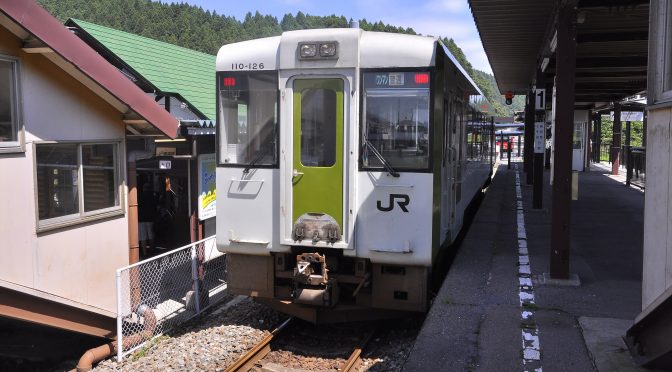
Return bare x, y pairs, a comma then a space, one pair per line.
207, 187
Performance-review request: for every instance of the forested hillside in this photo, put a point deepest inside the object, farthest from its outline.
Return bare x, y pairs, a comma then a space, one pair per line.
195, 28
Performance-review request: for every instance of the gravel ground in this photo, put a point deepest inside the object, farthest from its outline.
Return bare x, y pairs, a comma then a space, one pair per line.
391, 344
209, 342
216, 339
327, 347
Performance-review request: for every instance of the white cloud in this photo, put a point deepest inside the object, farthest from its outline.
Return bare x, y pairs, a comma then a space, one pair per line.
459, 28
449, 27
450, 6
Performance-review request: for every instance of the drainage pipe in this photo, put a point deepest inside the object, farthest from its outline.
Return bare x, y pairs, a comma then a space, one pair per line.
99, 353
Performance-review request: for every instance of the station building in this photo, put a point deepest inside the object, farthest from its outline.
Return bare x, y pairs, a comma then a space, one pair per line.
89, 114
649, 338
67, 211
182, 81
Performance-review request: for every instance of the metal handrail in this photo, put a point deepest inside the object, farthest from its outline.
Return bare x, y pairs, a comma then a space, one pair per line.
157, 257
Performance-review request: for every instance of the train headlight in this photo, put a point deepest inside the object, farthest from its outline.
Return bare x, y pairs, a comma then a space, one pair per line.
315, 50
327, 49
308, 50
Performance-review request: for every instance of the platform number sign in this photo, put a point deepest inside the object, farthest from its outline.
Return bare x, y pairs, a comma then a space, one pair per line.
540, 99
165, 164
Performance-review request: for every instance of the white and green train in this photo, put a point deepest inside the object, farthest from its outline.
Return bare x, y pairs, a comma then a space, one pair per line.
346, 161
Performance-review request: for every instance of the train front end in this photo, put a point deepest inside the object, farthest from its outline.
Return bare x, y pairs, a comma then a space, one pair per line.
325, 180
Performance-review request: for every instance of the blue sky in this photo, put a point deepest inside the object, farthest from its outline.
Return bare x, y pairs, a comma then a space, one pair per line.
450, 18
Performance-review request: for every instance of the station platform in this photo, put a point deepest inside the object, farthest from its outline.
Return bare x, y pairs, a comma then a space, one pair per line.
487, 316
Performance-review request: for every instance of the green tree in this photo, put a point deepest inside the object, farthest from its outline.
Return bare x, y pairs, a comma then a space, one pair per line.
192, 27
607, 133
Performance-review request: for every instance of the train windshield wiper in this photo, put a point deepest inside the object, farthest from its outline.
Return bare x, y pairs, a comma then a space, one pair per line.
380, 157
260, 155
264, 150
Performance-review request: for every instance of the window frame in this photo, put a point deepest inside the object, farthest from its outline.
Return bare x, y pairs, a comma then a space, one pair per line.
430, 130
220, 122
660, 59
17, 105
82, 216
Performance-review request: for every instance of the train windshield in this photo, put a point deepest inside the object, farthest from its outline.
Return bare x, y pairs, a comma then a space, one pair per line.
248, 118
396, 120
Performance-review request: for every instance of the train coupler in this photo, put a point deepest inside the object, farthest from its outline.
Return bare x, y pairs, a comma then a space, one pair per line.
312, 285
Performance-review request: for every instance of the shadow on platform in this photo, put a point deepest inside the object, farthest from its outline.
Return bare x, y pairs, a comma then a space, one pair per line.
475, 321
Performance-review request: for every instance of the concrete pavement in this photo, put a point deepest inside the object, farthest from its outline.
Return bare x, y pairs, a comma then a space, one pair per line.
477, 322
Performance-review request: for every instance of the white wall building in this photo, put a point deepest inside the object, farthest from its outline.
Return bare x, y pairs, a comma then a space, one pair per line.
64, 218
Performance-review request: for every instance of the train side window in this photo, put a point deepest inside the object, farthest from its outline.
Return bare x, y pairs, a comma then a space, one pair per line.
446, 132
248, 118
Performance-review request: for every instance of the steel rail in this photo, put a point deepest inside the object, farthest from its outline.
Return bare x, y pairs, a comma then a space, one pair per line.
258, 352
356, 357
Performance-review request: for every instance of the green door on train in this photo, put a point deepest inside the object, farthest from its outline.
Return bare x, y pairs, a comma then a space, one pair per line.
317, 179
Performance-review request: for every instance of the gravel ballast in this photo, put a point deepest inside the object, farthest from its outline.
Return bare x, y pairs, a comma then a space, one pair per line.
216, 339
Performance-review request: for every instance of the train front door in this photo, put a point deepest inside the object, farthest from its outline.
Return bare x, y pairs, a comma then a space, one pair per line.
317, 171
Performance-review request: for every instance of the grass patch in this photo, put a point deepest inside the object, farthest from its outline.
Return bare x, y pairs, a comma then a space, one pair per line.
148, 345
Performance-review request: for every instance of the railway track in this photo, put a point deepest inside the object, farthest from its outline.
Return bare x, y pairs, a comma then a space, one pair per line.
258, 352
356, 357
253, 359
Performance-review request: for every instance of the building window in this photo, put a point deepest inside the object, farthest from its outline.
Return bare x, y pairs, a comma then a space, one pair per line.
76, 182
660, 55
10, 127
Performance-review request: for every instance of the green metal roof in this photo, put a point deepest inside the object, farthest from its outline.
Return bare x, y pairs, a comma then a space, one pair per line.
170, 68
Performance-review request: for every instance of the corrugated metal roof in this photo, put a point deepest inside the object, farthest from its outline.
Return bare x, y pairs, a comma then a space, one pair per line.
170, 68
611, 38
198, 123
44, 27
512, 33
197, 127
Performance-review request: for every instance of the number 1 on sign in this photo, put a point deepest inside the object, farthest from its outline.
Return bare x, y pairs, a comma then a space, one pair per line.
540, 99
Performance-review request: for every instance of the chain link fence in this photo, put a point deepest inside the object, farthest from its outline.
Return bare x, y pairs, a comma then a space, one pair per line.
159, 293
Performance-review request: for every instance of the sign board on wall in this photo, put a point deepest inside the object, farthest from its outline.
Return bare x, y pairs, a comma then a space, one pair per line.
207, 189
539, 138
629, 116
540, 99
165, 164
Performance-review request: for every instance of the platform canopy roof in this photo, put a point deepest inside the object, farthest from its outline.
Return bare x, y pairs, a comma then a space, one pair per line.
512, 32
611, 55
